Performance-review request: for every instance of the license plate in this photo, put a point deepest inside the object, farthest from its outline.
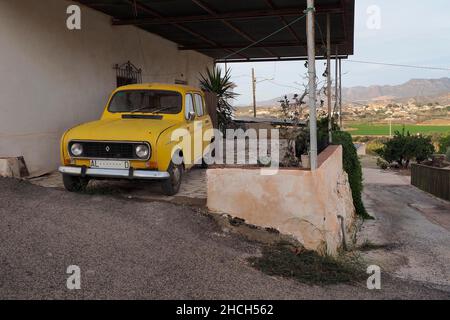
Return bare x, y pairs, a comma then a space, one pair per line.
110, 164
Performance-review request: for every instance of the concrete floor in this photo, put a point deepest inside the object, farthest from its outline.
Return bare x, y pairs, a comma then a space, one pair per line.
192, 190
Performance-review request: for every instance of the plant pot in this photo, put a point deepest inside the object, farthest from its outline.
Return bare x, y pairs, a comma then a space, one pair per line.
306, 162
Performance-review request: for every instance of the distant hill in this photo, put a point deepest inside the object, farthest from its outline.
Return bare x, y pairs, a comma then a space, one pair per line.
423, 90
416, 88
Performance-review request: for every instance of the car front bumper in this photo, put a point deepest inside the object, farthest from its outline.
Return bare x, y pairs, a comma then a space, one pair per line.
114, 173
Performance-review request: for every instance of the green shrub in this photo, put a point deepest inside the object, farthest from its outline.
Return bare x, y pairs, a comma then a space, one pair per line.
404, 147
302, 138
373, 146
382, 164
353, 168
444, 144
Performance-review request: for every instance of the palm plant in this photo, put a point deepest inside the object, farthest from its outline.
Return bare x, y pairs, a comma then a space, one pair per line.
213, 81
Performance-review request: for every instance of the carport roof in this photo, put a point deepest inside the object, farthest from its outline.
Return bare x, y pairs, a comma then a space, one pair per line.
219, 28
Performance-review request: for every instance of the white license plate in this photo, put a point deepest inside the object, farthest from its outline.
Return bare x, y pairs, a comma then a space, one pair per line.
110, 164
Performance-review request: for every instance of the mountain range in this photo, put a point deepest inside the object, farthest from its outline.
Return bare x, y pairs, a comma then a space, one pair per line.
422, 90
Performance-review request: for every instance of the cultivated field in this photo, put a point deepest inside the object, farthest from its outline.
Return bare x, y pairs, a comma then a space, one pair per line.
383, 129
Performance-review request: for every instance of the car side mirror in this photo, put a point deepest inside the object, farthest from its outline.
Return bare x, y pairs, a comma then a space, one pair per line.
191, 115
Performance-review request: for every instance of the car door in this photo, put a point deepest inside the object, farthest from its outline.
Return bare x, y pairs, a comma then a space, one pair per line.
203, 118
190, 126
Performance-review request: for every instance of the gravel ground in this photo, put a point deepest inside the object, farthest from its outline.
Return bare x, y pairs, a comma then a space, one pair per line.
130, 249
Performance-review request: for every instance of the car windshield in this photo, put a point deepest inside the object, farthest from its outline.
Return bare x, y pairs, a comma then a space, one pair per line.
148, 101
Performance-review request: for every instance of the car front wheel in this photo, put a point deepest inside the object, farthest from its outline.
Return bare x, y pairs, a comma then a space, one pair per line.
171, 186
74, 183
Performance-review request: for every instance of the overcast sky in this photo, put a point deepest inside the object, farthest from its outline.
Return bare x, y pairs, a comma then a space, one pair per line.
411, 32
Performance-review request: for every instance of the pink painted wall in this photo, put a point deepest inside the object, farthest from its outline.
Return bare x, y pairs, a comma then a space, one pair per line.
302, 203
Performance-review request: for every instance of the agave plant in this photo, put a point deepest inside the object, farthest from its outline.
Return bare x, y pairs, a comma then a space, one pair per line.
221, 85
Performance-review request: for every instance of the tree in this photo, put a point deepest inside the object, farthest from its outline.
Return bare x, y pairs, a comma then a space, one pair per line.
404, 147
444, 144
221, 85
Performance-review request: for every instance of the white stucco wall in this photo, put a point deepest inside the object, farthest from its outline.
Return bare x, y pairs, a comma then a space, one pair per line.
53, 78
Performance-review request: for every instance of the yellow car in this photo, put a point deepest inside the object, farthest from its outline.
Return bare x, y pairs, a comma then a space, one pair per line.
139, 137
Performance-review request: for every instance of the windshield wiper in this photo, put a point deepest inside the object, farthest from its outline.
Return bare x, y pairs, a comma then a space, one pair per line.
161, 109
156, 111
138, 109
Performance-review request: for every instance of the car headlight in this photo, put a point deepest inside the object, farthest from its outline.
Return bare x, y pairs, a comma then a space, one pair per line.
142, 151
76, 149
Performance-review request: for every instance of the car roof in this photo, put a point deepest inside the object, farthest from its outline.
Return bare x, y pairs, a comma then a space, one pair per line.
158, 86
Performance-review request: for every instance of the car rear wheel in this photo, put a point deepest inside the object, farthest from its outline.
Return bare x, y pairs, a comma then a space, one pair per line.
74, 183
172, 185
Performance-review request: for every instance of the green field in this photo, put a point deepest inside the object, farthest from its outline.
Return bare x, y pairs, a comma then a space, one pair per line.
383, 129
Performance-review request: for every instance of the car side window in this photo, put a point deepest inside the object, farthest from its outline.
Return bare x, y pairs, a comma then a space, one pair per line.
199, 107
189, 106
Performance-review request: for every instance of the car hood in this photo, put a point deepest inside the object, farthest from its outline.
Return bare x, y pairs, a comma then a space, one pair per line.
121, 130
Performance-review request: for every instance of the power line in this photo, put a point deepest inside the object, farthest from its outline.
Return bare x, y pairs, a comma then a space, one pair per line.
283, 85
399, 65
265, 38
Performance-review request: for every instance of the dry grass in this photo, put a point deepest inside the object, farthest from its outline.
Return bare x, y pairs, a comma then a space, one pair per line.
308, 266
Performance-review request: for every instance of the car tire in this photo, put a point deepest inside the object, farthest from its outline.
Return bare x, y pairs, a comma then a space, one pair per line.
74, 183
171, 186
204, 165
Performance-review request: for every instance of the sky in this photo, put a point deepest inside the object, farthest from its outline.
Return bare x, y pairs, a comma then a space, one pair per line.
413, 32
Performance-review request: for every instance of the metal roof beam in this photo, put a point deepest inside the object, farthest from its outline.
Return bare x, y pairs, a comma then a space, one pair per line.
148, 10
324, 9
283, 20
299, 58
277, 44
230, 25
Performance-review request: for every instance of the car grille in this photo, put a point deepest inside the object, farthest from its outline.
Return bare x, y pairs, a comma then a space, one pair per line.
108, 150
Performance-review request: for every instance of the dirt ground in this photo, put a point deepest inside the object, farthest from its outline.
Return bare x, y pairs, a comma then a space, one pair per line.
132, 242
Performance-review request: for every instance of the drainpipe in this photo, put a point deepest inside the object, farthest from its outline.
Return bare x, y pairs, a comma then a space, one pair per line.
344, 242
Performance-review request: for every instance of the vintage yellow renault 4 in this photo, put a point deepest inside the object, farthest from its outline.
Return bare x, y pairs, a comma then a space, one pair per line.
134, 137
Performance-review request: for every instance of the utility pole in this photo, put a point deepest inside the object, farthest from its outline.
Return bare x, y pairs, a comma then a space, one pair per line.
329, 77
254, 92
336, 93
390, 128
310, 32
341, 124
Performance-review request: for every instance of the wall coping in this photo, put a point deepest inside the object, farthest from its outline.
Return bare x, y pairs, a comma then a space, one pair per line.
322, 158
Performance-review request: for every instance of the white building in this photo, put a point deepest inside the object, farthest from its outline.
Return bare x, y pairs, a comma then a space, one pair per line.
53, 78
